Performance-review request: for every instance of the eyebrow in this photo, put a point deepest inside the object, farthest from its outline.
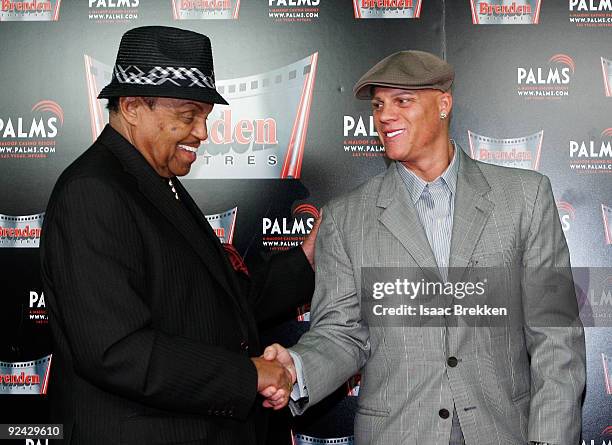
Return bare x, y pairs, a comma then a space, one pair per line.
195, 104
401, 93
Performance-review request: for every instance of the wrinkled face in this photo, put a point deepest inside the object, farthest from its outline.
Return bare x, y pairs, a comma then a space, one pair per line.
408, 121
169, 134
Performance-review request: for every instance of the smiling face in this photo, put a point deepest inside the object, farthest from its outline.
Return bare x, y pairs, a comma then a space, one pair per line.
408, 122
167, 134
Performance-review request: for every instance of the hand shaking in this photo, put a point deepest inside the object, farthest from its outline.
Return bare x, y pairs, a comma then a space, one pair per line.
275, 376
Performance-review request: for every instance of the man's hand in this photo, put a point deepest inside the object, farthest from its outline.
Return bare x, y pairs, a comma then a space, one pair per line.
278, 397
308, 246
273, 380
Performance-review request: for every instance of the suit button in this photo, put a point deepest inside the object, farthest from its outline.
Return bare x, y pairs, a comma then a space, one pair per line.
216, 412
452, 361
444, 413
244, 345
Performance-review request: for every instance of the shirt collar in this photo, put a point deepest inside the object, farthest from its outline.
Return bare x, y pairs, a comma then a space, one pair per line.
416, 185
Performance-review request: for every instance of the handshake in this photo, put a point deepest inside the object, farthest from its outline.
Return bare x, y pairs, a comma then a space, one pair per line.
276, 376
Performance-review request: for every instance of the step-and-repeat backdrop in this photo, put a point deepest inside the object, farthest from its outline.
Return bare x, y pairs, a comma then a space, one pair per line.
533, 90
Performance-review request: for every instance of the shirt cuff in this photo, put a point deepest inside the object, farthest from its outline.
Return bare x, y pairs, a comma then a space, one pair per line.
299, 390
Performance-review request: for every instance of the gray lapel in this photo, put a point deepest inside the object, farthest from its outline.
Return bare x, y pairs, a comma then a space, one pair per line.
472, 210
400, 217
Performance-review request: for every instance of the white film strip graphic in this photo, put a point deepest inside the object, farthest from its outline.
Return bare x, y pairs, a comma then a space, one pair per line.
505, 12
98, 75
262, 133
387, 9
22, 11
606, 67
224, 224
606, 212
523, 152
20, 231
302, 439
205, 9
29, 378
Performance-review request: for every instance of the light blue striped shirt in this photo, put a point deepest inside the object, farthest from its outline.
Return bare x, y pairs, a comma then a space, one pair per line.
435, 204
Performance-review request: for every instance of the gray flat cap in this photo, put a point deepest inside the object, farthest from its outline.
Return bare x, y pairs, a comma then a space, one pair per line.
410, 70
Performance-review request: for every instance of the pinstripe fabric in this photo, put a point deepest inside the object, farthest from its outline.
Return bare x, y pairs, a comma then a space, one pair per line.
435, 204
152, 331
511, 385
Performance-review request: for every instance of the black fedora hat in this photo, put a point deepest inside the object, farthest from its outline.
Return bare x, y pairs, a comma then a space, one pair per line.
161, 61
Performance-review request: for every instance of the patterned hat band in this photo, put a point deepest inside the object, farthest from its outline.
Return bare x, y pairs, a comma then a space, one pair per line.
158, 75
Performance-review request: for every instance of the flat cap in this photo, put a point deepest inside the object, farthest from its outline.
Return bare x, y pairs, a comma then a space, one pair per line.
410, 70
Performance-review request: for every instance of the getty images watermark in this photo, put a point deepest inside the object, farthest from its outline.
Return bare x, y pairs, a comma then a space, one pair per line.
488, 296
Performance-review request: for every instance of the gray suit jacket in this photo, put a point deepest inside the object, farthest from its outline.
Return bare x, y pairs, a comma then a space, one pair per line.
512, 384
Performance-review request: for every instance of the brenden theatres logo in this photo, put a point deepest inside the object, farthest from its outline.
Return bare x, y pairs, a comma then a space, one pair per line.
606, 68
387, 9
302, 439
606, 212
25, 377
223, 224
205, 9
20, 231
285, 233
360, 136
546, 82
45, 10
31, 136
283, 11
523, 152
505, 12
590, 13
567, 215
113, 11
261, 135
592, 156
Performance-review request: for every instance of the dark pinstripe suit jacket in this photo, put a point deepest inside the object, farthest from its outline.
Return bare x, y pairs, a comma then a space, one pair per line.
152, 327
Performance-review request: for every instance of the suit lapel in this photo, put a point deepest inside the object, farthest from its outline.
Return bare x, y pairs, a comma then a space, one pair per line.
158, 193
400, 217
472, 211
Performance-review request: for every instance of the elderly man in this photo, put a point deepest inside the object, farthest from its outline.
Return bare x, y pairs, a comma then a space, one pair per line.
153, 321
437, 208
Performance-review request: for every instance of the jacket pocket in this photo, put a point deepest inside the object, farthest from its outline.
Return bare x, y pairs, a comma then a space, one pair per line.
367, 411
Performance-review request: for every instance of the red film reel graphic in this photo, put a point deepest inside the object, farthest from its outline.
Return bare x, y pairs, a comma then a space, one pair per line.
387, 9
505, 12
224, 224
30, 11
25, 378
523, 152
20, 231
205, 10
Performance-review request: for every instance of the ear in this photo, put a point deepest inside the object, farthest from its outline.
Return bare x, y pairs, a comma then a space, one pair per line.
130, 109
445, 103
